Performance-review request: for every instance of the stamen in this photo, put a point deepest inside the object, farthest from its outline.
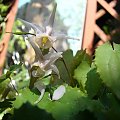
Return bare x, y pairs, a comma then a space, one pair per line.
44, 40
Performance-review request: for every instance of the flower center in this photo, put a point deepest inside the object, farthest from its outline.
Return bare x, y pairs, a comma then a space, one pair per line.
44, 40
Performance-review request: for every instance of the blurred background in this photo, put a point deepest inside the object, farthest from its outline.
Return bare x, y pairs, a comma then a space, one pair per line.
69, 17
69, 20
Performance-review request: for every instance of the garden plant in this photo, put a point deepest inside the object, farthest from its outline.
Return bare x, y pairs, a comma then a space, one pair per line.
60, 85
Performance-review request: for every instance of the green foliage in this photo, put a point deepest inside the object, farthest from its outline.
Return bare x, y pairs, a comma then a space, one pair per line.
71, 104
31, 113
6, 104
4, 9
64, 66
93, 83
107, 61
80, 74
95, 94
92, 88
9, 72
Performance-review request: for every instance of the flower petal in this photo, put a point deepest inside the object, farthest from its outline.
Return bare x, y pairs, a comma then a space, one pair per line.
55, 69
53, 56
63, 37
41, 87
41, 96
38, 30
38, 52
50, 22
59, 92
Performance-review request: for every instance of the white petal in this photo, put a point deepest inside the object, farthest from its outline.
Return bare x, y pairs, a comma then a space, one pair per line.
59, 36
53, 56
41, 96
41, 87
55, 69
36, 49
63, 37
59, 92
35, 27
50, 21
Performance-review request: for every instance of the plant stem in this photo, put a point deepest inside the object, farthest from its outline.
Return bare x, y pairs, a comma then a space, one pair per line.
71, 80
62, 59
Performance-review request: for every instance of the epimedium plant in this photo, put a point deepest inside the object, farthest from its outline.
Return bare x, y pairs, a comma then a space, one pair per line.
79, 87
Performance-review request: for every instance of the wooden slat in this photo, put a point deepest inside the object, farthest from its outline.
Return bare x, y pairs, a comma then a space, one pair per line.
4, 43
109, 9
88, 34
101, 12
101, 33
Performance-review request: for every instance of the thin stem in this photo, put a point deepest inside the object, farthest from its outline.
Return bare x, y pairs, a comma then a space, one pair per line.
53, 74
71, 80
54, 49
22, 33
62, 59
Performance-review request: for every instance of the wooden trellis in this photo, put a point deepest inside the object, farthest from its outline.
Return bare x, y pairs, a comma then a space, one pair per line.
91, 28
4, 43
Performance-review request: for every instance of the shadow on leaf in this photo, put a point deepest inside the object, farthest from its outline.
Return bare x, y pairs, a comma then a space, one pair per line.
29, 112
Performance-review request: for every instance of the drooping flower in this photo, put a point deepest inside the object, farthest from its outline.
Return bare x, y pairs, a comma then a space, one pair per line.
57, 94
45, 62
45, 36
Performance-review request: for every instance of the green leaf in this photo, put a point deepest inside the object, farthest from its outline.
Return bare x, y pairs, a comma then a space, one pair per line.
80, 74
31, 113
9, 72
7, 103
15, 67
12, 69
25, 95
79, 57
68, 57
107, 61
93, 83
70, 104
3, 77
114, 105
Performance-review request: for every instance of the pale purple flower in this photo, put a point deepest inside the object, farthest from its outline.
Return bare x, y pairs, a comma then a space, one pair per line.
45, 62
45, 36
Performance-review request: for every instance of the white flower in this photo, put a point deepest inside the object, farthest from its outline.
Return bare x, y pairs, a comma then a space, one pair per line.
45, 62
45, 36
59, 92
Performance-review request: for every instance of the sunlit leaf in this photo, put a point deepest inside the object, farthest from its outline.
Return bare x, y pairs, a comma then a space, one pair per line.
93, 83
70, 104
79, 57
107, 61
64, 66
80, 74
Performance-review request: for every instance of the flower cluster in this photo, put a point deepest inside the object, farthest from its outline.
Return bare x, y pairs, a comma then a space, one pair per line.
43, 38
